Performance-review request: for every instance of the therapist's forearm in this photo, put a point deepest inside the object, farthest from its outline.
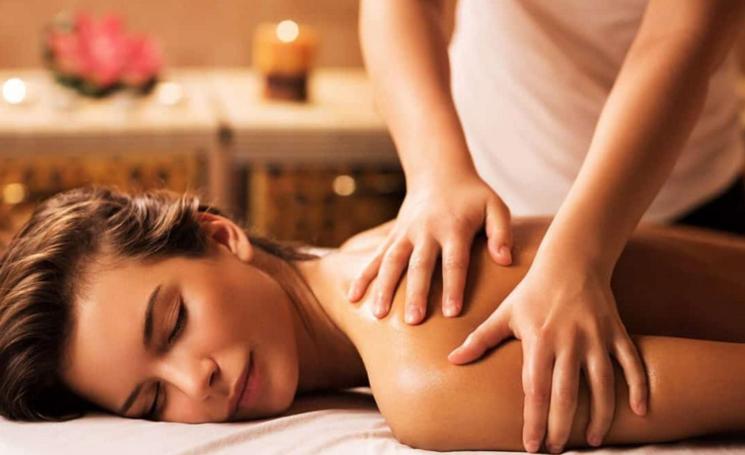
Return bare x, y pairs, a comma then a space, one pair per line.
405, 50
649, 115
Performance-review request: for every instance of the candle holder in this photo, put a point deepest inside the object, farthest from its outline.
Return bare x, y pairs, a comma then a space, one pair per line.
283, 55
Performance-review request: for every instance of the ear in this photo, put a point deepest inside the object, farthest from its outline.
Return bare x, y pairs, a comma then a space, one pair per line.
228, 234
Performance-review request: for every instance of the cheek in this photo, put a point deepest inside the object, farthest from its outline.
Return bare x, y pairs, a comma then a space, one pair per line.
247, 305
252, 311
268, 319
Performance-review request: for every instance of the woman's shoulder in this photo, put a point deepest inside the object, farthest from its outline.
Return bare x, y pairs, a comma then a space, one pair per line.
369, 238
487, 284
422, 396
407, 364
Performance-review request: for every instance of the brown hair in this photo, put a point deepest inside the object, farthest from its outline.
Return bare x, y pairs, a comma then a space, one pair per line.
43, 264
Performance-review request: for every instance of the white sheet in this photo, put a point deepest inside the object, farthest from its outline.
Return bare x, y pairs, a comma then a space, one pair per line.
342, 423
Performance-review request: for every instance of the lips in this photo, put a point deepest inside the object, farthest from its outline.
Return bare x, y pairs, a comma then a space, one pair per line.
240, 388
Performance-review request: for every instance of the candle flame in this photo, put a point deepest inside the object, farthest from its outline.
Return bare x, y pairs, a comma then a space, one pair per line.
14, 193
287, 31
14, 90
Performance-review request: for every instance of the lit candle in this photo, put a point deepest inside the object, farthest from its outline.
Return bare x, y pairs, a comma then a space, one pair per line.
283, 54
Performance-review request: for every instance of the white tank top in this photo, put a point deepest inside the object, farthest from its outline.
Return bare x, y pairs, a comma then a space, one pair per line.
529, 80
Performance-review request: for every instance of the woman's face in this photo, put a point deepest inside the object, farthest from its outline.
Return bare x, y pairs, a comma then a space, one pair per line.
179, 339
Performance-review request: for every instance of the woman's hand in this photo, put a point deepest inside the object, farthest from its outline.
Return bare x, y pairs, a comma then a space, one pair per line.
439, 214
567, 318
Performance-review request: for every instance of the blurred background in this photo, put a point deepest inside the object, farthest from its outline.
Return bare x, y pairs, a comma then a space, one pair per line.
194, 33
262, 106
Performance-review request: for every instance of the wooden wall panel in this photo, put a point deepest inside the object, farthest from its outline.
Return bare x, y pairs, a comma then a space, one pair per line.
199, 32
193, 33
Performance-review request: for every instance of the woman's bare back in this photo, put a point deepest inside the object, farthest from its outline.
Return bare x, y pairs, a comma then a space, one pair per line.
668, 282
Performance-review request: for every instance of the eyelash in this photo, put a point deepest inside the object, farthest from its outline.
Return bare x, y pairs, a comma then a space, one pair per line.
178, 328
180, 323
151, 414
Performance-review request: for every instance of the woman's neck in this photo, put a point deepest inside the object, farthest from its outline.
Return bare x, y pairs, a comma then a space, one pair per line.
327, 358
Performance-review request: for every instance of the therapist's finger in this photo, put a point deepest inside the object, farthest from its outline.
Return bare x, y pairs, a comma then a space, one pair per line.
603, 399
455, 258
633, 369
538, 368
499, 232
369, 272
393, 265
487, 335
419, 277
564, 390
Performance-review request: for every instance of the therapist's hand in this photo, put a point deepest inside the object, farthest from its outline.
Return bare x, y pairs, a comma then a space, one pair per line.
567, 319
440, 215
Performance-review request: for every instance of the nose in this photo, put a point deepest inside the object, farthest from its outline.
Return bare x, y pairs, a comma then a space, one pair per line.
195, 377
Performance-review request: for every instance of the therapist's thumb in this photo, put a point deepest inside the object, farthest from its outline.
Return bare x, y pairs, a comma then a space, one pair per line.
499, 231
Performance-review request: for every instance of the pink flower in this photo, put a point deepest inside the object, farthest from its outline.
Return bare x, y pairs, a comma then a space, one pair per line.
143, 63
102, 54
103, 48
66, 50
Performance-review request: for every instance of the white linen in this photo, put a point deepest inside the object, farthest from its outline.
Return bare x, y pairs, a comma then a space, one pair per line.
342, 423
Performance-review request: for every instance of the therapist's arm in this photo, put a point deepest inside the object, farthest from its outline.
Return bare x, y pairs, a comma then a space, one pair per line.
650, 113
405, 50
564, 311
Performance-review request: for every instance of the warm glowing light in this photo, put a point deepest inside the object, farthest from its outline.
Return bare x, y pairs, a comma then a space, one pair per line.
287, 31
13, 193
169, 93
344, 185
14, 91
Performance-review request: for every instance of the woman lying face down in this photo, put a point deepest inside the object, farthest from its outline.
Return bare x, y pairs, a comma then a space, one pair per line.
212, 338
168, 312
149, 307
175, 339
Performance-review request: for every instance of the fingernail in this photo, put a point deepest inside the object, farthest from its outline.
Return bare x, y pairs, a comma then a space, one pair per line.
451, 308
594, 440
378, 307
532, 446
412, 315
504, 251
352, 292
554, 448
641, 408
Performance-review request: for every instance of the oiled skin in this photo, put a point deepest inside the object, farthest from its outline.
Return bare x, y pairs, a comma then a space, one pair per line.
674, 289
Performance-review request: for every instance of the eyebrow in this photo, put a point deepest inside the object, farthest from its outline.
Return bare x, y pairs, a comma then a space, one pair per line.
147, 336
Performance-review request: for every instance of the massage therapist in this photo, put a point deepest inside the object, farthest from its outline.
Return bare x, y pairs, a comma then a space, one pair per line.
600, 113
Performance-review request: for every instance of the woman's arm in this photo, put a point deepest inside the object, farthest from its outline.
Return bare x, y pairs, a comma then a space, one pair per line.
652, 109
697, 387
405, 49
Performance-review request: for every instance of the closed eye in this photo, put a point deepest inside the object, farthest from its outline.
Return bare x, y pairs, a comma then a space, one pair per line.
151, 413
178, 327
